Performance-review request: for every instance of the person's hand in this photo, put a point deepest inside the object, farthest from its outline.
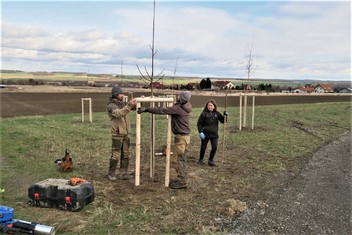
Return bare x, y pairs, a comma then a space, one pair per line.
202, 136
225, 113
142, 110
132, 102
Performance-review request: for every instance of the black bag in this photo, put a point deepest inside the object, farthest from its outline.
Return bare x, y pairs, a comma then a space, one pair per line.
60, 194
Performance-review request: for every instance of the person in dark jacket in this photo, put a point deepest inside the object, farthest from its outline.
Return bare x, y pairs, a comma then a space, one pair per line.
180, 113
118, 110
208, 126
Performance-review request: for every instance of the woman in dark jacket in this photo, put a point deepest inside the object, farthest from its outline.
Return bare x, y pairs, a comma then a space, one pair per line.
208, 126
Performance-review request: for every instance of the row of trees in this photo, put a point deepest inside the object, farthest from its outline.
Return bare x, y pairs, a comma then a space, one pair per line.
206, 84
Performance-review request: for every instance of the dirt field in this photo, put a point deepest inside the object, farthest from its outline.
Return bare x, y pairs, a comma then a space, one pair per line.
46, 100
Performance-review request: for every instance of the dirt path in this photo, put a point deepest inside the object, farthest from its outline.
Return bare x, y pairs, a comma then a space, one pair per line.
318, 201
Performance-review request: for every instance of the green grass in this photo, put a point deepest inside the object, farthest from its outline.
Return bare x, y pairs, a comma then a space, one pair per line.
284, 138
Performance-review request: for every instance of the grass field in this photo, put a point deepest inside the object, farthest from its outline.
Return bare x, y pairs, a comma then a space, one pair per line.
255, 162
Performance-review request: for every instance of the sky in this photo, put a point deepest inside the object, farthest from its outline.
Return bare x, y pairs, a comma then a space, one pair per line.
286, 39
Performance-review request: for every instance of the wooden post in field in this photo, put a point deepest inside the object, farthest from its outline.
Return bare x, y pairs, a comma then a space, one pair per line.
253, 109
245, 111
223, 132
152, 100
138, 146
152, 143
90, 108
168, 149
240, 126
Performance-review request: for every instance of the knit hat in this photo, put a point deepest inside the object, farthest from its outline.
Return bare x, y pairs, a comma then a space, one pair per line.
185, 96
116, 90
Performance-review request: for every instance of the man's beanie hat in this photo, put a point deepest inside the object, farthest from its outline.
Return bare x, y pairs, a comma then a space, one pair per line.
185, 96
116, 90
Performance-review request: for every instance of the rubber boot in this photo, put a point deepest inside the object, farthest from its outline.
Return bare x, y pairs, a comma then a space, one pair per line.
112, 169
124, 169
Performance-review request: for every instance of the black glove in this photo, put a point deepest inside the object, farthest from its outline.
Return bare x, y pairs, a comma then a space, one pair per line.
225, 113
142, 110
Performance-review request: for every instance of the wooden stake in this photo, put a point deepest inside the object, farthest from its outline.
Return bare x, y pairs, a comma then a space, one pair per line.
138, 140
223, 131
253, 108
245, 111
240, 125
138, 147
90, 109
168, 150
152, 144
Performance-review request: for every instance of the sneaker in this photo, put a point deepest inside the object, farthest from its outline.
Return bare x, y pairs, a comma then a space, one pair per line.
199, 162
112, 177
211, 163
178, 185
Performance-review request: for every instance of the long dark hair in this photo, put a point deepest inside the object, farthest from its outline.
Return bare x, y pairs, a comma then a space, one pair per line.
213, 102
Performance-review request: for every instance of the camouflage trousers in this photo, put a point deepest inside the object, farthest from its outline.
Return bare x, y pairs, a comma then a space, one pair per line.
120, 153
179, 161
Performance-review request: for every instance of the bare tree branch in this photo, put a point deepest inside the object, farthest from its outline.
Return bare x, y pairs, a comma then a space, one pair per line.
146, 71
141, 72
150, 77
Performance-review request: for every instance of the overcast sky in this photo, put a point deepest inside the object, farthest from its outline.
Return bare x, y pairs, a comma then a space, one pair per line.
290, 39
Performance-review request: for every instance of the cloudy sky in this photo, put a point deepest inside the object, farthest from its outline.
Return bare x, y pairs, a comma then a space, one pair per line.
288, 39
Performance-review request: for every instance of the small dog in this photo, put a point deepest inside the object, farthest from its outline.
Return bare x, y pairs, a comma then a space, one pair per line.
65, 163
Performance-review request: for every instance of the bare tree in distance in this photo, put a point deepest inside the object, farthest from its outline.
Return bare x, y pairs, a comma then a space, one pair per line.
249, 61
149, 79
173, 79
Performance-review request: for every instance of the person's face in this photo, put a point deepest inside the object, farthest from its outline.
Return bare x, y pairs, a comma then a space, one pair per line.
120, 96
210, 107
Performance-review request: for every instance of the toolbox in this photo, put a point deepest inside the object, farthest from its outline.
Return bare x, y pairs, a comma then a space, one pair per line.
60, 194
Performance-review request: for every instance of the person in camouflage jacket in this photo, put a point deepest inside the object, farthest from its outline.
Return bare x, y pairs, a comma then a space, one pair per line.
118, 111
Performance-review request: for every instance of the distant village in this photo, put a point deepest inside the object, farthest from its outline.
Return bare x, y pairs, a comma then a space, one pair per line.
205, 84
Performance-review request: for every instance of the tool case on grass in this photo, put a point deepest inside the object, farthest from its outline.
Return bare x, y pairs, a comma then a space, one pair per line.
59, 193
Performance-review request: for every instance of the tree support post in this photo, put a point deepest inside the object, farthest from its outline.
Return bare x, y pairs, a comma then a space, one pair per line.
90, 108
169, 101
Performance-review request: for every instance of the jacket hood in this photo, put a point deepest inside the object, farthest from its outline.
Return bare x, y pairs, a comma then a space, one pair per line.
187, 107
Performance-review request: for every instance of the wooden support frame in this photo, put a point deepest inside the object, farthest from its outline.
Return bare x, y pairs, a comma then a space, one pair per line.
89, 108
243, 118
139, 101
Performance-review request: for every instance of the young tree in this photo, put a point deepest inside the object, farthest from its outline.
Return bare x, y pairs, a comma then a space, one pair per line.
150, 79
249, 61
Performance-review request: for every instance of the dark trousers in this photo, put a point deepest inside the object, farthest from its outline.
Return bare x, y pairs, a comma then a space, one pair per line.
203, 147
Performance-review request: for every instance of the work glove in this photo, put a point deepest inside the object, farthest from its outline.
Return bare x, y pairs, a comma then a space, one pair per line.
142, 110
225, 113
75, 181
202, 136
